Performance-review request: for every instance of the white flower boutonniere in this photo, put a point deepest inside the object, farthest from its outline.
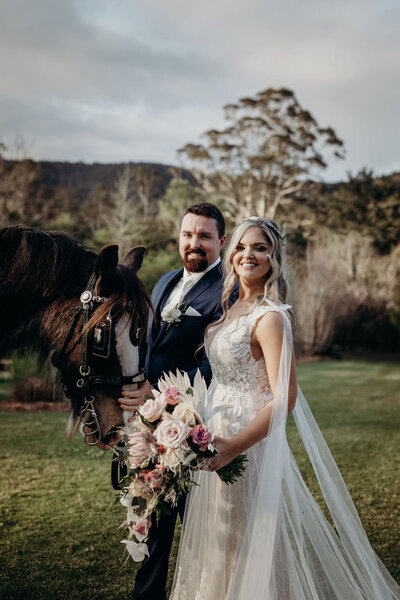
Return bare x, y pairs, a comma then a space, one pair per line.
172, 315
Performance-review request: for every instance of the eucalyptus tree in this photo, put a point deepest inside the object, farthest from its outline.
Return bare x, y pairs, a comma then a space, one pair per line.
262, 159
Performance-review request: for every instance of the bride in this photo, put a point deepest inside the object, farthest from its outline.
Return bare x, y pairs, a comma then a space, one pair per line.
265, 537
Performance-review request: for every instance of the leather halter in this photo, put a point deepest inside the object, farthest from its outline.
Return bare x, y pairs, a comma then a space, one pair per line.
88, 417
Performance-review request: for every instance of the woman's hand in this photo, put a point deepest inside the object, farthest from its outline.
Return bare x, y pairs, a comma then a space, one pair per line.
226, 453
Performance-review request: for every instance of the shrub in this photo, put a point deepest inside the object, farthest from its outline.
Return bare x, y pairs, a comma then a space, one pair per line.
34, 389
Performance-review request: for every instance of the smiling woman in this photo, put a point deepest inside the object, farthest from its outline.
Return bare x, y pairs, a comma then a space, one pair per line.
251, 258
266, 537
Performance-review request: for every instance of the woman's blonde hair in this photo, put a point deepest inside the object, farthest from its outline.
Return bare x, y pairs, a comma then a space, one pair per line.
276, 287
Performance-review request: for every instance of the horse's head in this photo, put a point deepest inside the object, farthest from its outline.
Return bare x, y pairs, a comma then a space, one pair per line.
97, 348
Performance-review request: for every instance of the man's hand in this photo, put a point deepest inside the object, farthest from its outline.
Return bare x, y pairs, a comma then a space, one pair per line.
132, 399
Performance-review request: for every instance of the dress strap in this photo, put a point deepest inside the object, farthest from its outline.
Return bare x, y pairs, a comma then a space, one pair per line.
266, 306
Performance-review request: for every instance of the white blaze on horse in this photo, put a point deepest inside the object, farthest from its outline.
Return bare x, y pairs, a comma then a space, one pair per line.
86, 313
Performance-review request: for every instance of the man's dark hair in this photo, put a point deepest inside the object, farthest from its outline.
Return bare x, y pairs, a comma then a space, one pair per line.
206, 209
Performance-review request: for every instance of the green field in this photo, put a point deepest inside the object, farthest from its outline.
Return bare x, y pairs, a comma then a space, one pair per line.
59, 533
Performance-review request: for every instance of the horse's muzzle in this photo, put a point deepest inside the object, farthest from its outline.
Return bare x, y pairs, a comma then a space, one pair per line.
111, 438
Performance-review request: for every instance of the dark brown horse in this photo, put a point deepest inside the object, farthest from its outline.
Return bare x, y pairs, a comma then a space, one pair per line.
42, 277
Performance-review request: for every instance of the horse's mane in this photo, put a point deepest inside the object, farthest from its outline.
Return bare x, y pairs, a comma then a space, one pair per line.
42, 263
38, 267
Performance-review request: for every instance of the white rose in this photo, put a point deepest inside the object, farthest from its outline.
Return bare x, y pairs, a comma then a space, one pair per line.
185, 412
171, 433
171, 459
171, 314
152, 409
174, 458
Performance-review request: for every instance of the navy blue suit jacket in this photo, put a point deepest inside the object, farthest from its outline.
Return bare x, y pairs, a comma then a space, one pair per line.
174, 347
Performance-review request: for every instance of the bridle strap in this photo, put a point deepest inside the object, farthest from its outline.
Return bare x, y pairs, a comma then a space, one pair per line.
87, 305
119, 470
139, 377
88, 416
78, 312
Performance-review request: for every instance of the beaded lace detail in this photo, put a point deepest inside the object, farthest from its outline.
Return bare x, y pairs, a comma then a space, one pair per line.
240, 380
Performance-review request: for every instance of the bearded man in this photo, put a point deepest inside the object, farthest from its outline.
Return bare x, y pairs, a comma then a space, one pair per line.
185, 302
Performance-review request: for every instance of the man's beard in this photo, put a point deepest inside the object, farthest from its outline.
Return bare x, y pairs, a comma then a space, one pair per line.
197, 264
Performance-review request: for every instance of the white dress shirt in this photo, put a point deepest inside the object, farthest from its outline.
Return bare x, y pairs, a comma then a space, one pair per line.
184, 284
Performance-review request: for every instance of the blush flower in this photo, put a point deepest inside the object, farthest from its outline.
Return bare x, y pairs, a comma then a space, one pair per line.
201, 436
140, 449
141, 528
152, 409
171, 433
154, 479
171, 395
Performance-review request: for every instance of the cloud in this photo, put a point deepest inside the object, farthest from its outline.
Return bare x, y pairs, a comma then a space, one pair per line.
126, 80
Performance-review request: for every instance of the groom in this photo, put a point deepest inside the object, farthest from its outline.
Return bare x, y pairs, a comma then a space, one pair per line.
185, 302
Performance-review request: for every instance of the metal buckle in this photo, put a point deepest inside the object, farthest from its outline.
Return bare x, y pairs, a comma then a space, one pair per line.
88, 418
86, 297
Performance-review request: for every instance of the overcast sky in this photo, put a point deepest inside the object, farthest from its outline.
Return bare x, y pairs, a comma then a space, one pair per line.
134, 80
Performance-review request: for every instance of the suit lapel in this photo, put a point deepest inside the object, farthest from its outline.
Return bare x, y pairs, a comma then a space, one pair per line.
159, 301
164, 293
199, 288
202, 285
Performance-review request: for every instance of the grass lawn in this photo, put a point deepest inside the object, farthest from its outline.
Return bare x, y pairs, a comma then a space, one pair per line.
59, 534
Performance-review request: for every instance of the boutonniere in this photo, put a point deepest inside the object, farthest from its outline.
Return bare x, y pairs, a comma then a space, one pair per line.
172, 315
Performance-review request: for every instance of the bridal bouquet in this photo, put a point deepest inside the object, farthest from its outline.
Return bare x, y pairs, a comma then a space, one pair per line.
163, 444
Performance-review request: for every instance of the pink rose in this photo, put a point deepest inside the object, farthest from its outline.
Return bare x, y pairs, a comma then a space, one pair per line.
139, 450
171, 433
201, 436
171, 395
142, 527
154, 478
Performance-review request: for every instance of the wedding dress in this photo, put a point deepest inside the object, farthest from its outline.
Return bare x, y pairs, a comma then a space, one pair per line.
265, 537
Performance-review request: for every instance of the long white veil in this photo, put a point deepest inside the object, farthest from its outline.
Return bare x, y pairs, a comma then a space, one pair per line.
289, 550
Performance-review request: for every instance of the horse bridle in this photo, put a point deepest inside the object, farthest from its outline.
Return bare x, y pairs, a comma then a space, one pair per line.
88, 417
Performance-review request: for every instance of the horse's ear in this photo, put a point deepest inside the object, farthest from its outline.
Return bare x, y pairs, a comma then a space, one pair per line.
107, 260
133, 260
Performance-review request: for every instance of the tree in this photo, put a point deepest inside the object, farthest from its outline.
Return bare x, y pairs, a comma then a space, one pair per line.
366, 204
148, 185
18, 186
261, 160
179, 195
121, 213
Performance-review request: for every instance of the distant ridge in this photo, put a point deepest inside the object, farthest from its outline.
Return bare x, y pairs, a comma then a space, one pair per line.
83, 177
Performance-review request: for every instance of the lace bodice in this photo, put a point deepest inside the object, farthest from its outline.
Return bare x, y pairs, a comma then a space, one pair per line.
239, 380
